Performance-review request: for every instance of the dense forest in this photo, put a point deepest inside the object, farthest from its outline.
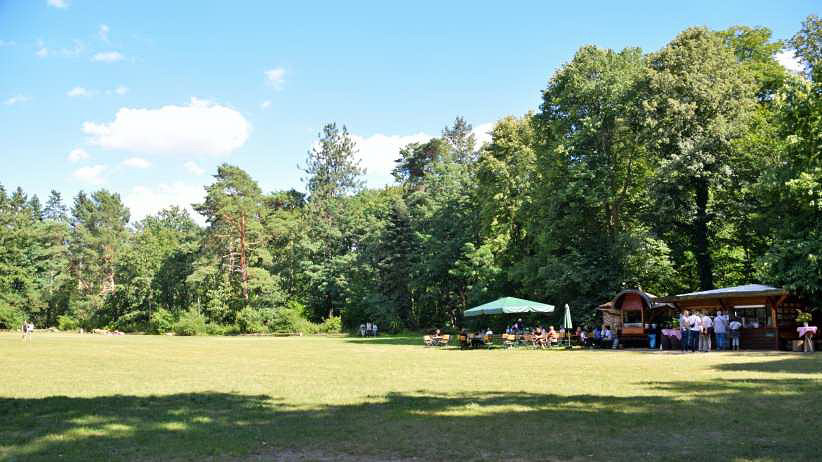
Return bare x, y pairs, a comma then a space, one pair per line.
692, 167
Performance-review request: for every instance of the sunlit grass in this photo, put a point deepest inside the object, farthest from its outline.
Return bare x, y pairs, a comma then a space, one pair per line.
73, 397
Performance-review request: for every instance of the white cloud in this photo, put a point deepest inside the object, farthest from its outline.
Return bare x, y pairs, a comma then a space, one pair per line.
143, 201
108, 56
276, 77
16, 99
79, 91
121, 90
482, 133
103, 32
136, 162
58, 3
92, 175
202, 127
42, 52
193, 168
377, 154
78, 154
7, 43
265, 104
789, 61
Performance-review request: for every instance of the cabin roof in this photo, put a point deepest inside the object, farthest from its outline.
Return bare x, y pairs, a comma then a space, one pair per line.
748, 290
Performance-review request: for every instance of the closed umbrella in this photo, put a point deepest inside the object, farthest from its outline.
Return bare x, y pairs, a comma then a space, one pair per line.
566, 323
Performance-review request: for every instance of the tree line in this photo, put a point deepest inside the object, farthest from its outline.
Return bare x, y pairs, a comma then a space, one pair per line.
692, 167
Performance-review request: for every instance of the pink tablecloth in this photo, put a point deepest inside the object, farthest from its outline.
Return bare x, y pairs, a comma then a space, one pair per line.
672, 333
802, 330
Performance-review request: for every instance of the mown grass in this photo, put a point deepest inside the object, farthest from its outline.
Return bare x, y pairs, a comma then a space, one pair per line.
72, 397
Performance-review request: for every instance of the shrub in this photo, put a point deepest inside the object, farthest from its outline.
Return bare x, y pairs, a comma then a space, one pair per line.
332, 325
10, 318
66, 322
250, 321
162, 321
190, 323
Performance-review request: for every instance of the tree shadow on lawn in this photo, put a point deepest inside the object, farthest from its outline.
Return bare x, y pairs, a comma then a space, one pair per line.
713, 420
811, 364
398, 340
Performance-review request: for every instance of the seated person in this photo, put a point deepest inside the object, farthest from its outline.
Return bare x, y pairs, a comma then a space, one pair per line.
597, 340
464, 340
538, 337
476, 339
553, 336
608, 338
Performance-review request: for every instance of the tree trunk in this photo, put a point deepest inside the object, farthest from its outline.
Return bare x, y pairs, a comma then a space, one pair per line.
701, 238
243, 259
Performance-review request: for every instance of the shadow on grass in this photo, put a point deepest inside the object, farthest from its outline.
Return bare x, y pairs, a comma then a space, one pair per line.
795, 365
713, 420
393, 340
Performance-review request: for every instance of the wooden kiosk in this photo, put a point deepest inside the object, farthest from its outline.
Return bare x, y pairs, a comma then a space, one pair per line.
632, 312
768, 314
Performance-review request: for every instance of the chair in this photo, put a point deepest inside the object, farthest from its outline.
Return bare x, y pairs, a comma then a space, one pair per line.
489, 341
509, 340
444, 340
464, 343
528, 339
428, 340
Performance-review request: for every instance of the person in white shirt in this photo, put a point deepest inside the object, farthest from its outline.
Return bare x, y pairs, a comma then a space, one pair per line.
695, 320
734, 326
684, 327
720, 329
705, 334
368, 328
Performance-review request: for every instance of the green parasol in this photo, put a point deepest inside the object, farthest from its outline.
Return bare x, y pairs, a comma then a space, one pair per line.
509, 305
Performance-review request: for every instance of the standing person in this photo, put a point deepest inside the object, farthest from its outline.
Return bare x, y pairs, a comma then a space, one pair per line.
652, 337
734, 327
685, 330
368, 328
705, 334
695, 321
28, 329
362, 330
374, 329
24, 329
720, 329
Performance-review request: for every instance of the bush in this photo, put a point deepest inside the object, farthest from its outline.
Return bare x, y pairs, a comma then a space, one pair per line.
162, 321
191, 323
10, 318
332, 325
67, 323
250, 321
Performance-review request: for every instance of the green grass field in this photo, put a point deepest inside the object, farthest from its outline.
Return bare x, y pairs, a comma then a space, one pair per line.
72, 397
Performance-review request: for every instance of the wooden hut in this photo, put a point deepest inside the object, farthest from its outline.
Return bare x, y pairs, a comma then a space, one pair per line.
768, 314
632, 312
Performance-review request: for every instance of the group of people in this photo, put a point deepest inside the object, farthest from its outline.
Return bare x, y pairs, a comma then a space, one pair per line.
27, 329
698, 330
601, 337
368, 329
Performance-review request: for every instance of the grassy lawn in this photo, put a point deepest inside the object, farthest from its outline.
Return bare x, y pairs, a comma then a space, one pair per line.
72, 397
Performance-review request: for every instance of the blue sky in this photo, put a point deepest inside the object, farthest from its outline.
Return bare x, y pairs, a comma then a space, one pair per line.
147, 98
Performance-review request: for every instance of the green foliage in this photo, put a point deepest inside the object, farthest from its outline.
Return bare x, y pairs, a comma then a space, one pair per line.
803, 316
190, 323
67, 323
162, 321
250, 321
10, 318
693, 166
